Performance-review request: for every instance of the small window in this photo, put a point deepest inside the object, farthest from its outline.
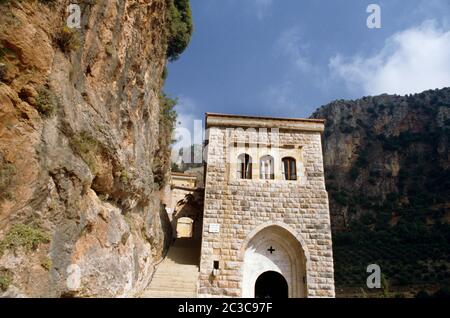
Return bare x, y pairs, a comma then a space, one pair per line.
266, 169
244, 166
289, 168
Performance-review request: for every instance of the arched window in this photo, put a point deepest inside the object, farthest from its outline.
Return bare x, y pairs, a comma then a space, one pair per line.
244, 166
266, 170
289, 168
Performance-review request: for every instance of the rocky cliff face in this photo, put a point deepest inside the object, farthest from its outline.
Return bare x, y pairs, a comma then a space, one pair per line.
80, 213
387, 166
390, 150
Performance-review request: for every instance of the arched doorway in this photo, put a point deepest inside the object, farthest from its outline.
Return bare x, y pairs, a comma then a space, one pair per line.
185, 227
274, 248
271, 285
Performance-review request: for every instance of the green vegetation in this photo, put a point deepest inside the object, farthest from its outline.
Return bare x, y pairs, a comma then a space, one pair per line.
22, 235
87, 148
167, 121
46, 102
408, 253
124, 177
67, 39
3, 70
46, 263
390, 207
5, 279
179, 29
7, 173
441, 293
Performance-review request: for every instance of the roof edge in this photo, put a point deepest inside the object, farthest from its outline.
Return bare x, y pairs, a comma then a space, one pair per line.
311, 120
229, 120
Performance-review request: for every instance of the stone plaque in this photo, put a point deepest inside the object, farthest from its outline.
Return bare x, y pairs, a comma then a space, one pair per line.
214, 228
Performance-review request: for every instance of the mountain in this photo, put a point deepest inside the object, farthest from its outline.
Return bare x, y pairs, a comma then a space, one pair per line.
387, 166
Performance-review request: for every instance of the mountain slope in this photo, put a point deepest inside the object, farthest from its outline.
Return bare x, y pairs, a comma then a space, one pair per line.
387, 169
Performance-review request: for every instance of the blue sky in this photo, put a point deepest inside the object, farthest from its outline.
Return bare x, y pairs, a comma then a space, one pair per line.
288, 57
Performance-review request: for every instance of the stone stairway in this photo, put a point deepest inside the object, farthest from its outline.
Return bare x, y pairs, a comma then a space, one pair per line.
176, 276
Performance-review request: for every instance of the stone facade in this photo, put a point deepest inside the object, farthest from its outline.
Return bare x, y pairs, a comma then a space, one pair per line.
255, 226
184, 180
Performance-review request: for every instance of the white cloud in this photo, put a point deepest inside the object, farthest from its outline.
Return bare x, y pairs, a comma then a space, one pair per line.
189, 128
411, 61
291, 45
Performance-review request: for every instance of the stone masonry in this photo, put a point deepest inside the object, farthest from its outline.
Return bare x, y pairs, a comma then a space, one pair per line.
252, 226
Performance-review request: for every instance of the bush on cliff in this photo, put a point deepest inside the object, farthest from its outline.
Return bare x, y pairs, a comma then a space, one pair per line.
5, 279
87, 148
167, 120
180, 27
7, 173
67, 39
46, 102
22, 235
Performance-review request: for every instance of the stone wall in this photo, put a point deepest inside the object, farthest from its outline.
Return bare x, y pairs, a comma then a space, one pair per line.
243, 207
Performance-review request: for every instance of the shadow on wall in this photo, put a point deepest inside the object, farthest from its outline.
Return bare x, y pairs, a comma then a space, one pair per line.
188, 216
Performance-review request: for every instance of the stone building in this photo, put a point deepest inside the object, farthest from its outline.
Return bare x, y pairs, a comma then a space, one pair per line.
266, 222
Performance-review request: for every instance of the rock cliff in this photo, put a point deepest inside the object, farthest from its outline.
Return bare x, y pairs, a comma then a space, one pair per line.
387, 166
386, 150
80, 203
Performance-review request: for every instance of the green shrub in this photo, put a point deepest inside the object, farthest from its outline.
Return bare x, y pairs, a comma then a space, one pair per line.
67, 39
46, 263
87, 148
124, 177
179, 29
23, 235
167, 121
5, 279
3, 71
7, 171
46, 102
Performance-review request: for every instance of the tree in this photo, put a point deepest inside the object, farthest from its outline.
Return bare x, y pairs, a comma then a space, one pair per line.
180, 28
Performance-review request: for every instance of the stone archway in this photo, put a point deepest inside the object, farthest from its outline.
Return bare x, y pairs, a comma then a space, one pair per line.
275, 248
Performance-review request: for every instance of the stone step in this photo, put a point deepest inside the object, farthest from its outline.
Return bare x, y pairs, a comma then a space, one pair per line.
163, 283
159, 294
158, 280
172, 290
178, 267
177, 275
166, 281
173, 281
168, 261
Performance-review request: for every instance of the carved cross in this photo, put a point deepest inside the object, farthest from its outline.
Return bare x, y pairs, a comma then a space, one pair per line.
271, 249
